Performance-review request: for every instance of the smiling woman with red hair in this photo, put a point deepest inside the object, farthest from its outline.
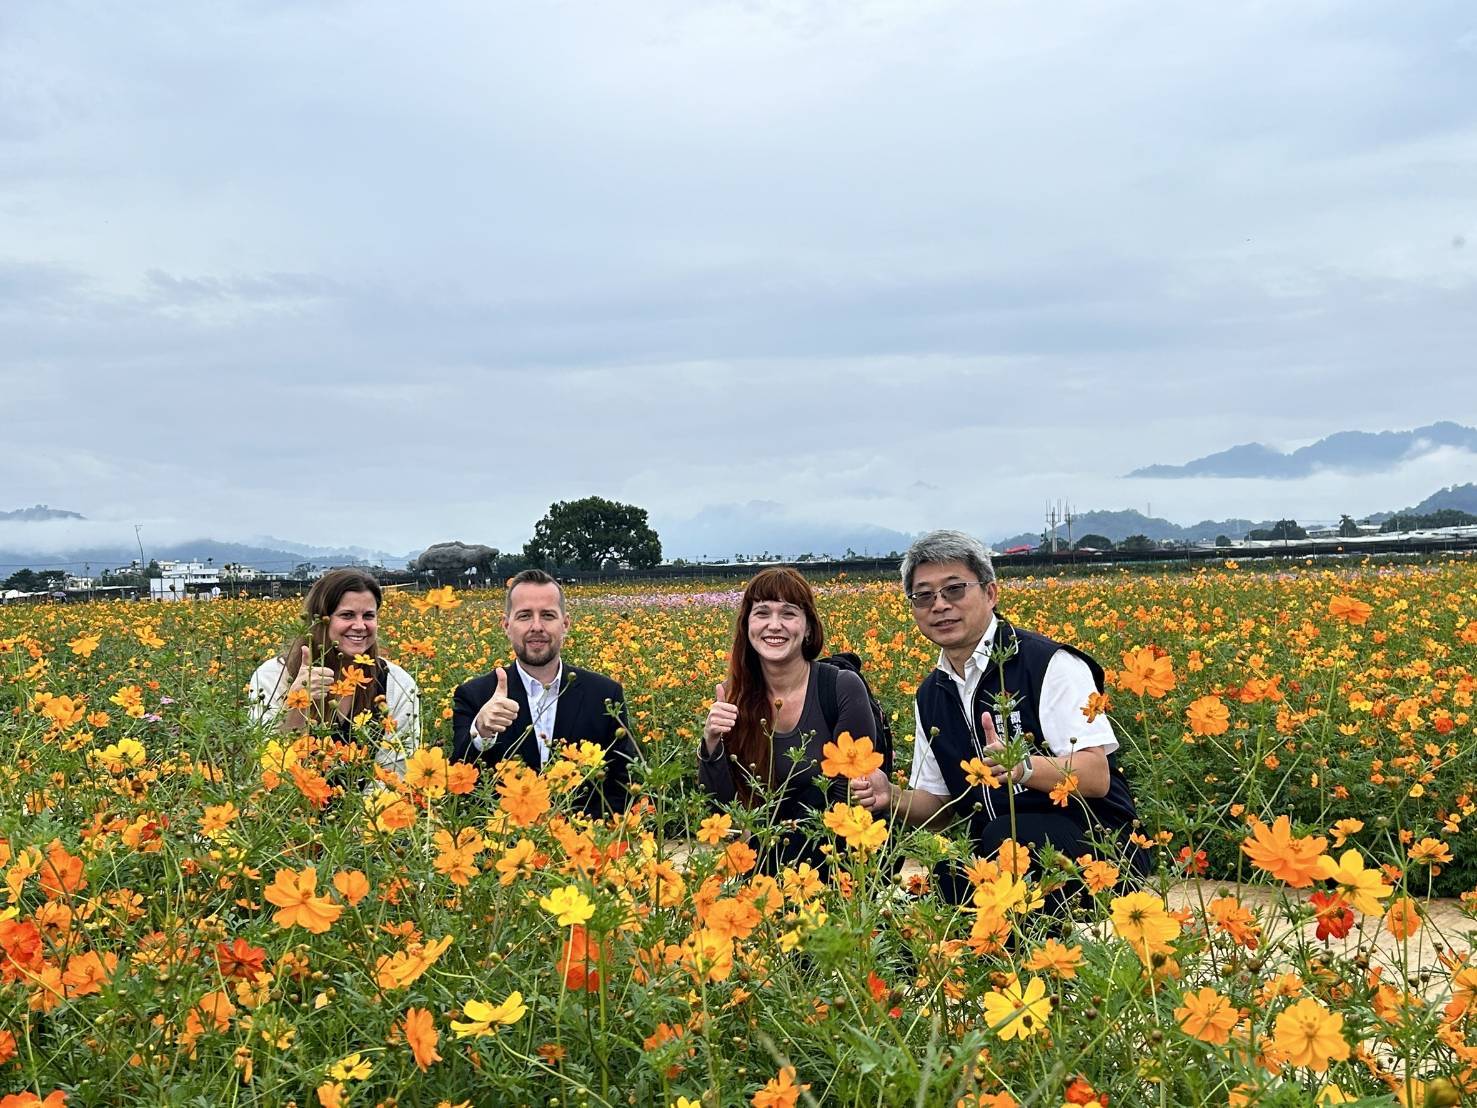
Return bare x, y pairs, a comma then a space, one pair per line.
763, 738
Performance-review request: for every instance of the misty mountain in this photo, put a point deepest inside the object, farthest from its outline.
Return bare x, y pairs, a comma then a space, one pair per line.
1347, 451
95, 559
1119, 525
39, 514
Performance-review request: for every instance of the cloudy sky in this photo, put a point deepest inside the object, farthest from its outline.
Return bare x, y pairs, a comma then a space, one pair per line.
388, 274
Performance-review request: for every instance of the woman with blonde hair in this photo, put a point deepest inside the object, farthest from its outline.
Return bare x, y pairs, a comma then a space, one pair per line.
332, 671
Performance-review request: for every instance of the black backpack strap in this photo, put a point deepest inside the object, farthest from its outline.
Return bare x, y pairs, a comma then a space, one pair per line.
826, 690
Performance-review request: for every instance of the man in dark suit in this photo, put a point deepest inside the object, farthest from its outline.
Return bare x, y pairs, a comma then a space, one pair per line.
528, 710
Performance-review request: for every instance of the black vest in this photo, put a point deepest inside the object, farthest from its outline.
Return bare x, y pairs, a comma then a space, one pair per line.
1018, 667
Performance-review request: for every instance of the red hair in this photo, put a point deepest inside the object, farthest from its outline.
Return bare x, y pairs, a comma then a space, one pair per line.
749, 741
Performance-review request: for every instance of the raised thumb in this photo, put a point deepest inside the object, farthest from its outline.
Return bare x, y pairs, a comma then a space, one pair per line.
502, 682
307, 658
720, 694
987, 728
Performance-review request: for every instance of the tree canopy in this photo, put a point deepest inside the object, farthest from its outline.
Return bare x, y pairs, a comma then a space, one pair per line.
592, 533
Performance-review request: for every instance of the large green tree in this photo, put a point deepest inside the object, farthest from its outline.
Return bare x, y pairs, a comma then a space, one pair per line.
591, 533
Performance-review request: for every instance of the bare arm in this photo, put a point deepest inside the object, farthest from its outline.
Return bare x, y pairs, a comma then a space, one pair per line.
913, 807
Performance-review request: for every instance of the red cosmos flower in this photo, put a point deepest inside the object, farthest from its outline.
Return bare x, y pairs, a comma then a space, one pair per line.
580, 961
240, 959
1080, 1092
1335, 917
1194, 864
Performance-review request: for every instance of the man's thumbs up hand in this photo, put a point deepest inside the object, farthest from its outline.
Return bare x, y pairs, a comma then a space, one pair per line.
498, 714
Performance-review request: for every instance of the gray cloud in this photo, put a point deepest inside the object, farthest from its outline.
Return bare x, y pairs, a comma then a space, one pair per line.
351, 275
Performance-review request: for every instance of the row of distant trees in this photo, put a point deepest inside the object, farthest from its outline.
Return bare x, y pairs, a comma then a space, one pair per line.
1287, 529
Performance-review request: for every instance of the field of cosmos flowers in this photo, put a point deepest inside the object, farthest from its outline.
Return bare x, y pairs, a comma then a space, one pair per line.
196, 911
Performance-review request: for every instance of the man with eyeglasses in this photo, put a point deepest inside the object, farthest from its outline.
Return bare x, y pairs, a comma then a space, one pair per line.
996, 683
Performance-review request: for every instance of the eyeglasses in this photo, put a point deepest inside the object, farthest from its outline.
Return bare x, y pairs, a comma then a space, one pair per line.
953, 593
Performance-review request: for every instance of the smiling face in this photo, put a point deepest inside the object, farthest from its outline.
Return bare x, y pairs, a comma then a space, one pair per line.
956, 625
536, 624
353, 623
777, 630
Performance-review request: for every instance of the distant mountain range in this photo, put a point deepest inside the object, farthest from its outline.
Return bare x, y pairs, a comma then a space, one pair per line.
716, 534
267, 553
1119, 525
1346, 452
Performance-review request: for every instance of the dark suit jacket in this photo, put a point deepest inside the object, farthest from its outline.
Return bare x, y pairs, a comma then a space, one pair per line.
579, 716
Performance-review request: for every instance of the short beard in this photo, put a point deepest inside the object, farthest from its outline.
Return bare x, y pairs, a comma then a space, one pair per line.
528, 659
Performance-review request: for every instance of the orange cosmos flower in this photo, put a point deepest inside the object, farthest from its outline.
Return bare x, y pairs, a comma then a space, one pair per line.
54, 1099
1431, 852
976, 773
442, 600
426, 770
848, 757
1147, 672
779, 1092
421, 1036
1099, 875
61, 873
457, 857
84, 645
1274, 849
299, 906
738, 858
461, 778
1097, 704
1350, 610
352, 885
714, 829
1403, 919
240, 959
732, 918
1056, 959
524, 796
1308, 1034
1062, 791
1208, 1016
1208, 715
405, 967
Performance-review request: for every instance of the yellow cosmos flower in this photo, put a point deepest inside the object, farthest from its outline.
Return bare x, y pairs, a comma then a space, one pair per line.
353, 1068
568, 906
1362, 887
1143, 921
1307, 1034
483, 1019
1015, 1012
856, 825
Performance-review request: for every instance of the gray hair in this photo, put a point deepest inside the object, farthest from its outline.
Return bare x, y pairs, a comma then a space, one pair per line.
938, 547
